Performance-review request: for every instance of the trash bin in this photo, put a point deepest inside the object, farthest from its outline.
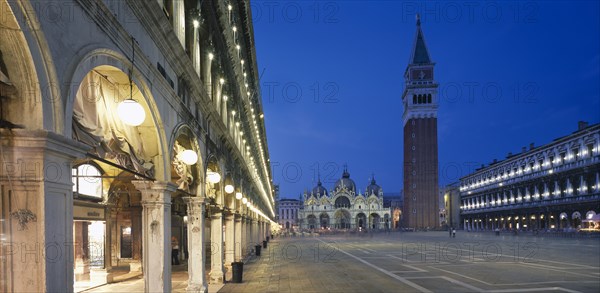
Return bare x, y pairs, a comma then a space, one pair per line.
257, 250
237, 270
264, 243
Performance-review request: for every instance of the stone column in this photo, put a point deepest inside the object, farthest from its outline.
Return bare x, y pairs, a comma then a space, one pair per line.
237, 256
216, 239
108, 244
195, 244
156, 230
244, 243
229, 241
37, 193
136, 239
249, 239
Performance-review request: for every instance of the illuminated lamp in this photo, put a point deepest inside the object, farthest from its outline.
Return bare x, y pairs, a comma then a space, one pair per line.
213, 177
189, 157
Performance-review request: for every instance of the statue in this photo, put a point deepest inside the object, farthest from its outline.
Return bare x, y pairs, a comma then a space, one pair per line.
182, 169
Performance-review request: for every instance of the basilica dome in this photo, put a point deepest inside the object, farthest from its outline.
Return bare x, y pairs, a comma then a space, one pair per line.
319, 190
346, 182
373, 188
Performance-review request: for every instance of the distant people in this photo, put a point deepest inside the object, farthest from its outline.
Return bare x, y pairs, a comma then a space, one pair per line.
174, 251
453, 233
497, 232
449, 231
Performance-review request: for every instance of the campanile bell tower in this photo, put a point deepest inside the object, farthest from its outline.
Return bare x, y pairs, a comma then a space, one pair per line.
420, 101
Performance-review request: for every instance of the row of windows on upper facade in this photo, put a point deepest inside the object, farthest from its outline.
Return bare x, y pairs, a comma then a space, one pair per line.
422, 99
288, 213
565, 187
537, 162
195, 34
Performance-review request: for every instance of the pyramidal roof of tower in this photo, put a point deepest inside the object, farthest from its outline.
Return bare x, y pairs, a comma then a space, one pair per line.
420, 54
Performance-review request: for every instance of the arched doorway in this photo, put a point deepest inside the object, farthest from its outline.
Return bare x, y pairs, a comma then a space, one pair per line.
374, 220
576, 217
563, 221
361, 221
342, 219
312, 222
324, 220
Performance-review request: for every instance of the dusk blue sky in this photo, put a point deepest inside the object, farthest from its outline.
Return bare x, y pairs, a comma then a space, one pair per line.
510, 73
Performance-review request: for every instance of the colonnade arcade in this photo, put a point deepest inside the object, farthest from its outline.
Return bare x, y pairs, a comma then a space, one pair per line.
567, 219
84, 188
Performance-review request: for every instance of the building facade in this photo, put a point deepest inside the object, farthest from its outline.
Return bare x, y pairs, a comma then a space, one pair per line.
125, 127
553, 187
451, 206
343, 208
420, 101
288, 210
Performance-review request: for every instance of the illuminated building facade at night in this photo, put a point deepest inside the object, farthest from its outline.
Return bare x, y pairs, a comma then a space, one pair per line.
131, 134
551, 187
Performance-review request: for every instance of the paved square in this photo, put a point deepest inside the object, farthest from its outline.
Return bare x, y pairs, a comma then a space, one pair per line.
424, 262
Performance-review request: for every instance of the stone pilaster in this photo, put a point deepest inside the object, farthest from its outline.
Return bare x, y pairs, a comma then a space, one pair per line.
197, 253
37, 195
156, 231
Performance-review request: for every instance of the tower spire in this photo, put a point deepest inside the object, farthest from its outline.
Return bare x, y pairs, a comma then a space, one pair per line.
420, 54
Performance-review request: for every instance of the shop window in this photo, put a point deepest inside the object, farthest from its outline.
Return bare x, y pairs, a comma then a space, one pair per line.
87, 181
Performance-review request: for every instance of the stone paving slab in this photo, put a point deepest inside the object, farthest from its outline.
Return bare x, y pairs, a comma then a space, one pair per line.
423, 262
411, 262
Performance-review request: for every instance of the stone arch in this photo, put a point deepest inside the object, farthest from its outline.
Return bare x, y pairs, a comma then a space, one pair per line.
342, 202
563, 219
214, 190
184, 137
361, 221
312, 221
32, 82
374, 220
106, 59
342, 219
590, 214
324, 221
576, 219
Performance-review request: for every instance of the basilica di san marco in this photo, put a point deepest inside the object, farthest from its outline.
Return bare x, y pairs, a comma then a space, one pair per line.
344, 208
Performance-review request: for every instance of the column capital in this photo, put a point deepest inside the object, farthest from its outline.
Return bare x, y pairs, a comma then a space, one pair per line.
148, 186
194, 200
237, 217
155, 193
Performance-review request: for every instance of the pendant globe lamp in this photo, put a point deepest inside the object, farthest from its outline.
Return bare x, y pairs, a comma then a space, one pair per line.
129, 110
